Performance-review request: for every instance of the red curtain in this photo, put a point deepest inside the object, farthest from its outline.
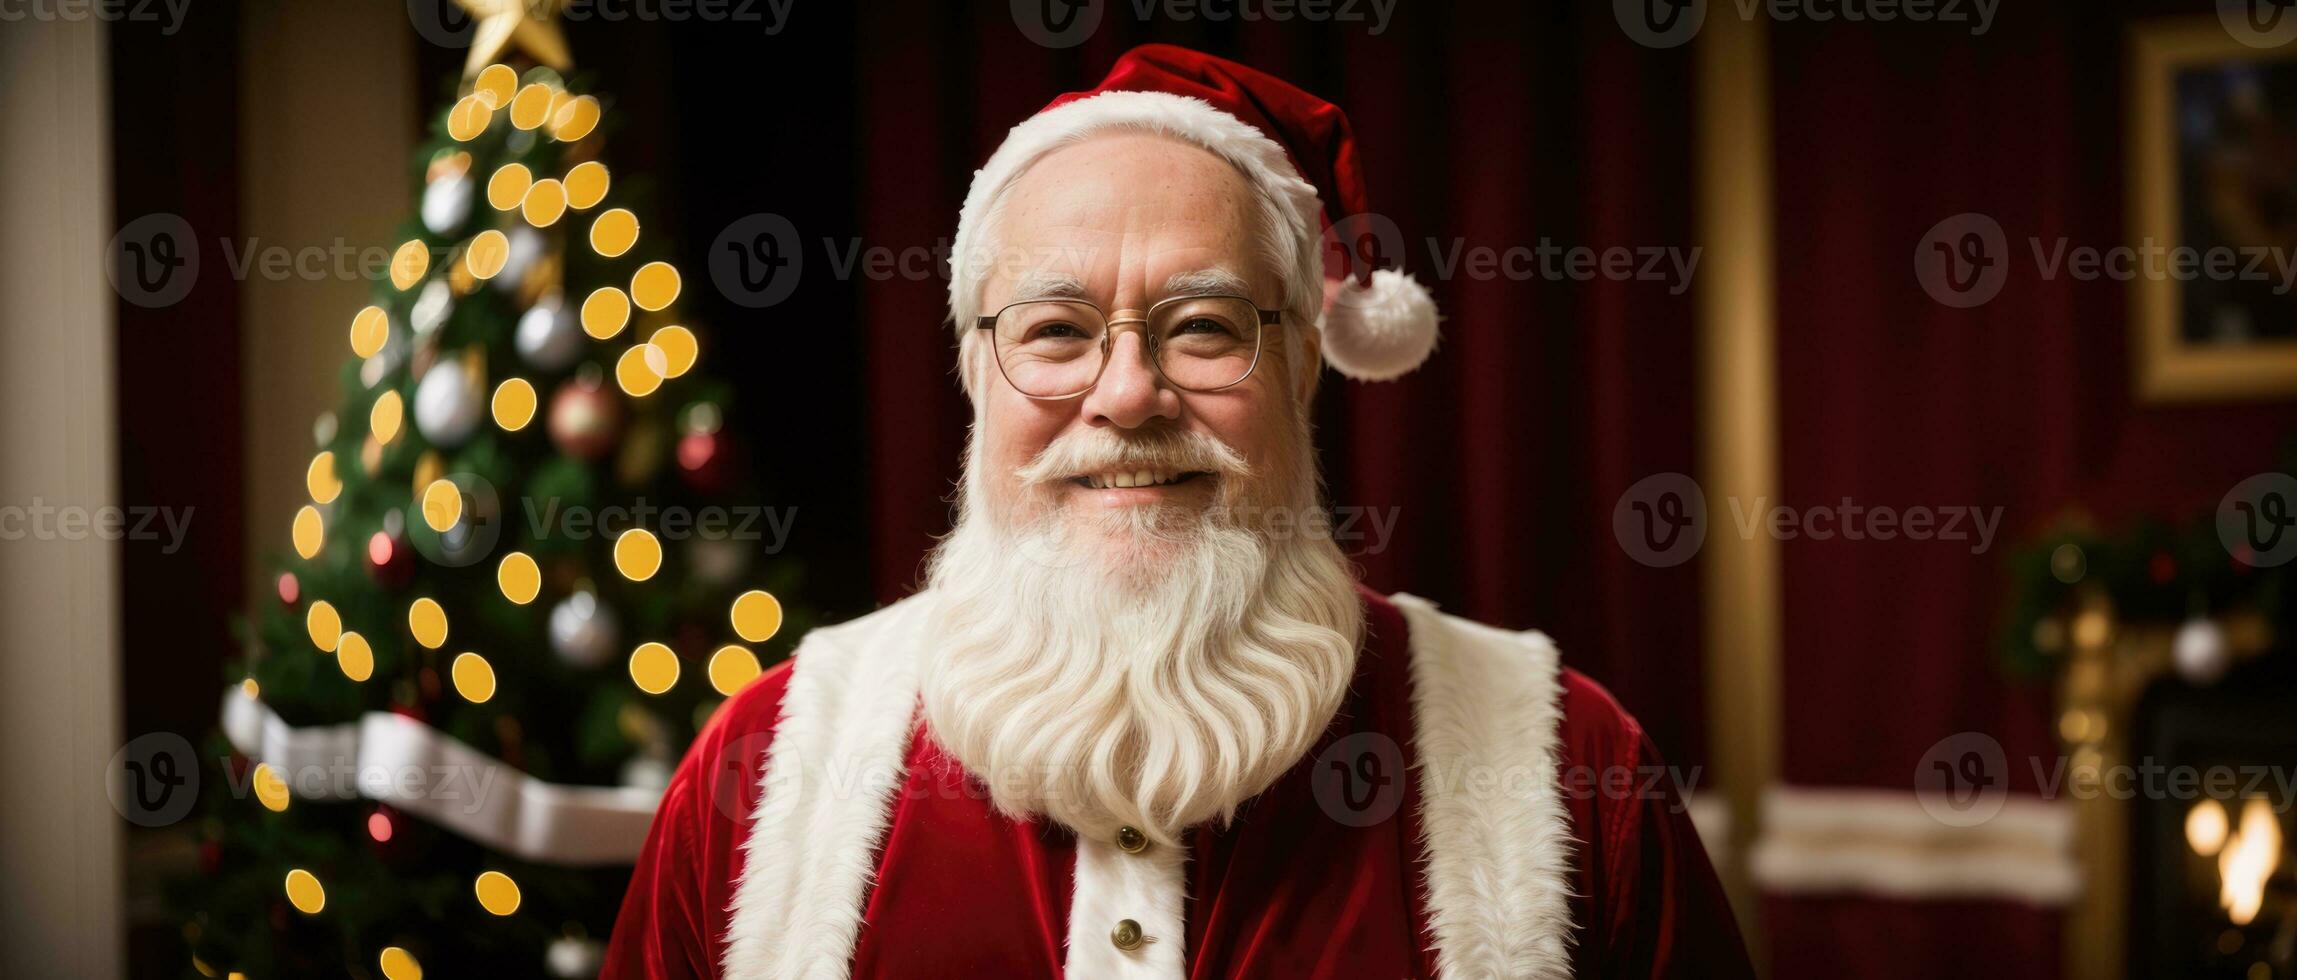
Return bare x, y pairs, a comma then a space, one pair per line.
1497, 464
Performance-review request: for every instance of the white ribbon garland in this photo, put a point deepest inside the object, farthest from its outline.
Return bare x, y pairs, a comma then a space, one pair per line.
417, 769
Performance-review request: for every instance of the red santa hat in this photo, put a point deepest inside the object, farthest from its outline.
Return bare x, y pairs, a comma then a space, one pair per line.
1300, 155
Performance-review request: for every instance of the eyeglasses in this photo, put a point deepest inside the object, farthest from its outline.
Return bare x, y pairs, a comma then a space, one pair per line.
1057, 348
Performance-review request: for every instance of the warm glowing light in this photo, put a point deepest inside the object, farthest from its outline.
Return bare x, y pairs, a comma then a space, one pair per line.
355, 657
487, 253
320, 479
428, 622
678, 347
732, 668
397, 963
653, 668
497, 893
638, 370
530, 106
574, 118
304, 892
379, 827
383, 419
2206, 827
519, 577
615, 230
514, 403
2248, 861
409, 263
270, 787
495, 85
604, 312
654, 286
442, 505
637, 554
586, 185
468, 119
369, 329
474, 678
507, 188
309, 531
545, 203
757, 616
324, 625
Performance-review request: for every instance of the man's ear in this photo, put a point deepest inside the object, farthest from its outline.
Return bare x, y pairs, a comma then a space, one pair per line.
1306, 361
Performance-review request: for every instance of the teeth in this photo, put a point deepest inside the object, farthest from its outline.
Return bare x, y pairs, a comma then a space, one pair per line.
1136, 478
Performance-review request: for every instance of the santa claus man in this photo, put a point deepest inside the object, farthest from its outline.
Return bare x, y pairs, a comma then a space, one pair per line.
1139, 723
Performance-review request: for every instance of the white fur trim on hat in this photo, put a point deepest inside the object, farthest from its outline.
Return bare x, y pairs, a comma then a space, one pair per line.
1381, 331
1371, 334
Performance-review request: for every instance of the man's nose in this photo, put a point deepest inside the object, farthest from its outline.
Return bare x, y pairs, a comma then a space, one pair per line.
1130, 392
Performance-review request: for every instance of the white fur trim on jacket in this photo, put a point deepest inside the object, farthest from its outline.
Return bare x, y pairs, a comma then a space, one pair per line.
836, 760
1485, 708
1486, 705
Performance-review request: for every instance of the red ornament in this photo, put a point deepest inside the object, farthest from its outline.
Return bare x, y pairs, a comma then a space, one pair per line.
704, 462
379, 826
289, 589
585, 419
390, 562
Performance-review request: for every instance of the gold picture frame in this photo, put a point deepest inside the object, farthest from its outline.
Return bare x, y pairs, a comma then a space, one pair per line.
2170, 363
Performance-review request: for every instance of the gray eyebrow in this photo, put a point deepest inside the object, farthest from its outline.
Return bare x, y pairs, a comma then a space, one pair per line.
1206, 282
1040, 284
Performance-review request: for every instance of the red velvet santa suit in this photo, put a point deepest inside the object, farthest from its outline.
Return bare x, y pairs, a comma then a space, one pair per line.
1455, 820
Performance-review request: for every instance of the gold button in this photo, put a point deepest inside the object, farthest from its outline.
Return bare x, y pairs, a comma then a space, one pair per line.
1131, 841
1127, 935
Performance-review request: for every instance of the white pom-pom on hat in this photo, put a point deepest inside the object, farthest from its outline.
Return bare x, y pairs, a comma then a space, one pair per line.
1382, 330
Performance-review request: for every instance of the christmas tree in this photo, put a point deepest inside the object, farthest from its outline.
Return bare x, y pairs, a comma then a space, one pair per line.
521, 584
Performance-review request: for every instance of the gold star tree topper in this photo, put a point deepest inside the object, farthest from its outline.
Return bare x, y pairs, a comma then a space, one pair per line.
529, 25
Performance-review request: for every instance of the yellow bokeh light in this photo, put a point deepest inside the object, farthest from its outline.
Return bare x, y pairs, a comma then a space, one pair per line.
508, 186
249, 687
679, 349
409, 263
355, 657
270, 787
653, 668
442, 505
615, 230
732, 668
427, 620
654, 286
320, 479
497, 893
757, 616
574, 118
586, 185
488, 252
495, 85
637, 554
514, 403
469, 118
545, 202
530, 106
397, 963
519, 577
304, 893
384, 418
2206, 827
637, 370
324, 625
369, 329
309, 531
605, 311
474, 677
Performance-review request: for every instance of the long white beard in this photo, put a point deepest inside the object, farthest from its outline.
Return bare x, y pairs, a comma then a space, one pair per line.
1156, 670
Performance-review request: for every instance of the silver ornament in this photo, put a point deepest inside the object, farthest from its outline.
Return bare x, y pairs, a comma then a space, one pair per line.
582, 631
526, 245
2200, 652
572, 957
448, 405
447, 202
549, 336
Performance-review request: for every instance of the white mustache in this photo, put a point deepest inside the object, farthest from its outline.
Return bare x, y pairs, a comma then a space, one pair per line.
1104, 450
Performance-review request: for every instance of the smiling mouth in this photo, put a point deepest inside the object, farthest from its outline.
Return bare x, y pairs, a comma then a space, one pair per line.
1135, 479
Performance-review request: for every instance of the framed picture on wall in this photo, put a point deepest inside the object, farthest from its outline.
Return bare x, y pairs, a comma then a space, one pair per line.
2212, 144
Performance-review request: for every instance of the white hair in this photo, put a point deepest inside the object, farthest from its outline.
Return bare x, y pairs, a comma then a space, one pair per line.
1153, 667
